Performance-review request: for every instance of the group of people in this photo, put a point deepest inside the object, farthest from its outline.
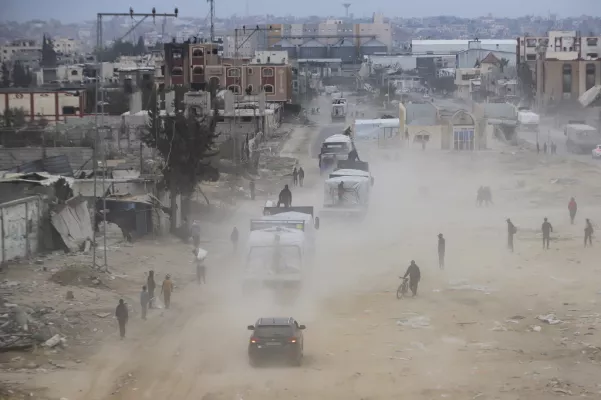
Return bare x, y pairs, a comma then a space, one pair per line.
147, 300
547, 228
551, 148
298, 176
484, 196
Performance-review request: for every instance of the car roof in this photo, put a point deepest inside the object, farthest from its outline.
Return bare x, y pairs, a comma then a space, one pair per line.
275, 321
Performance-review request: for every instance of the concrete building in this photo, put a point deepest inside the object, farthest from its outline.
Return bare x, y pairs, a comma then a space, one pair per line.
560, 80
244, 44
7, 51
269, 57
467, 81
458, 45
567, 42
475, 54
29, 58
66, 46
38, 104
198, 65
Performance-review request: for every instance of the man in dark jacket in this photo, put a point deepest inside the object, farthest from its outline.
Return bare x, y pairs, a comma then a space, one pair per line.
353, 155
301, 176
341, 192
588, 233
511, 230
547, 229
122, 316
234, 237
414, 277
285, 197
441, 250
295, 176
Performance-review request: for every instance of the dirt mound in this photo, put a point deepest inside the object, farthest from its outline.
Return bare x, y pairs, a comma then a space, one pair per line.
77, 276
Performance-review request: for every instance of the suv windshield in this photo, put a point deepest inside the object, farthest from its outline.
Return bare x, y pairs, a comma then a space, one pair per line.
269, 331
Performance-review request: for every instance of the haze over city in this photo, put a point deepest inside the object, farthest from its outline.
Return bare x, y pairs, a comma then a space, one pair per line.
87, 9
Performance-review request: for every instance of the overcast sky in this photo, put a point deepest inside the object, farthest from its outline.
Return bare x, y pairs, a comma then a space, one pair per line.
71, 11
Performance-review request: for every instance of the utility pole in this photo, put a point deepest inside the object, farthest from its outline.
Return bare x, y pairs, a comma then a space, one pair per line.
99, 119
212, 3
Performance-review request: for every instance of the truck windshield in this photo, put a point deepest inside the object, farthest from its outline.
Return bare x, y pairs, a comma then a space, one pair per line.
336, 148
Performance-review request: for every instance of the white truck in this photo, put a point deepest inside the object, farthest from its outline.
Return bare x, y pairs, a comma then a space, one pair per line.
334, 148
346, 196
275, 258
581, 138
528, 120
339, 109
300, 218
353, 168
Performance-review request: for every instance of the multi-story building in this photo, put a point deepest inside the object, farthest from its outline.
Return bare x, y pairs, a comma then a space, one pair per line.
569, 43
7, 51
199, 66
66, 46
48, 104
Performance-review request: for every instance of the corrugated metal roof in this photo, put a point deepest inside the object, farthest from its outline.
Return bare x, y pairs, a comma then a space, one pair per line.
284, 43
56, 165
313, 43
373, 43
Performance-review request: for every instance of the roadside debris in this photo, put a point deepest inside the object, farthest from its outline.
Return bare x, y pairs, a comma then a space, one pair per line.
417, 322
550, 319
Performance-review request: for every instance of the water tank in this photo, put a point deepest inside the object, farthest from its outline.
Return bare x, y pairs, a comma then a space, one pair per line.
285, 45
313, 49
373, 46
345, 50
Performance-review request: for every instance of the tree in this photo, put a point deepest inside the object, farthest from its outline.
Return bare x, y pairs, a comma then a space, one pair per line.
5, 82
526, 81
21, 76
48, 53
503, 62
13, 118
186, 144
140, 48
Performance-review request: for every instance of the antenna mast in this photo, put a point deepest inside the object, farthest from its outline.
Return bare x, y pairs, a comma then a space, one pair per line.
212, 3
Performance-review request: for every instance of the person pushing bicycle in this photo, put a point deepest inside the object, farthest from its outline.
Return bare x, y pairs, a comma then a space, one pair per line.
414, 277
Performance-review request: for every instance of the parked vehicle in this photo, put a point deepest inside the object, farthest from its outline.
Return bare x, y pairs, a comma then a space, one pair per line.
581, 138
597, 151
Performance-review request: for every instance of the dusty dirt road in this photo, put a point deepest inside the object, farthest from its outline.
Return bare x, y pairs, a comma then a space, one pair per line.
472, 333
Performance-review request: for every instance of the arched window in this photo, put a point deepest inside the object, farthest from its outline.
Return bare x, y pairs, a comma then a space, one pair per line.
233, 73
566, 74
268, 89
214, 82
267, 72
234, 89
177, 71
198, 71
249, 89
74, 72
590, 75
198, 52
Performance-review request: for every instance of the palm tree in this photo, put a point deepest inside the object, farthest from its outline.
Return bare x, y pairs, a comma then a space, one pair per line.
503, 62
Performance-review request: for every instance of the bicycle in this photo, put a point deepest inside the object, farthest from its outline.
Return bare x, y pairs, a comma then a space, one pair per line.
403, 288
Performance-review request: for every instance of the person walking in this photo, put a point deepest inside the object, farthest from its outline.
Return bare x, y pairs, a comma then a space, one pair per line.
341, 192
572, 208
511, 230
537, 148
151, 285
301, 176
545, 148
414, 277
441, 250
234, 238
122, 317
251, 186
195, 232
166, 290
588, 233
144, 300
295, 177
547, 228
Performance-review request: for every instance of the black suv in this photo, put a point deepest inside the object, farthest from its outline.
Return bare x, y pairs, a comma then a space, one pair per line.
276, 337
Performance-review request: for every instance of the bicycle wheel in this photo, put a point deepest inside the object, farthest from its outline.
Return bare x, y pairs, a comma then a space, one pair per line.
399, 292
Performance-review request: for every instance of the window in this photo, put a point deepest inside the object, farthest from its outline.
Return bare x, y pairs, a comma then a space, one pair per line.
177, 55
531, 43
267, 72
250, 71
592, 56
69, 110
590, 76
74, 72
249, 89
531, 57
198, 52
234, 89
566, 73
214, 82
268, 89
198, 71
177, 71
233, 73
592, 41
